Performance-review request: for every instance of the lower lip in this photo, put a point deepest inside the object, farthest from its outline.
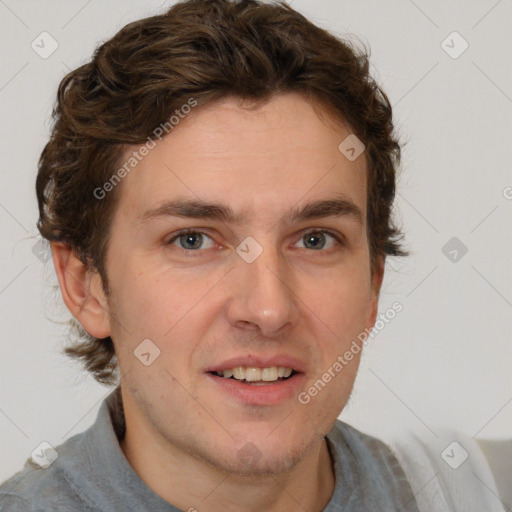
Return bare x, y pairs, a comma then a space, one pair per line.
262, 394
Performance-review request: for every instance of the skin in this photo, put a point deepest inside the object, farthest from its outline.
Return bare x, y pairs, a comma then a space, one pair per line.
202, 306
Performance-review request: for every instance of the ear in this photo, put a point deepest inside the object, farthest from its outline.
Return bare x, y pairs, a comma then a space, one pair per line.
82, 291
377, 277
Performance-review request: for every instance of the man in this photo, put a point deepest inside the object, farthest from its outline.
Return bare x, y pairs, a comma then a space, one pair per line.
217, 192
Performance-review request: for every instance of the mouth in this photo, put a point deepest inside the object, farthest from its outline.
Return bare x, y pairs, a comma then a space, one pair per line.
254, 385
255, 376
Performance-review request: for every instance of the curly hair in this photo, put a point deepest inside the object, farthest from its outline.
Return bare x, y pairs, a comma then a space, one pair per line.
206, 50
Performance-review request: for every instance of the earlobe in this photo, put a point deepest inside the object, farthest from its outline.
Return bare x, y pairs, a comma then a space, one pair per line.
377, 278
81, 291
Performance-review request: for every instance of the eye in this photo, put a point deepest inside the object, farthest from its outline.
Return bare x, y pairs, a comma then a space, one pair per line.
191, 240
317, 240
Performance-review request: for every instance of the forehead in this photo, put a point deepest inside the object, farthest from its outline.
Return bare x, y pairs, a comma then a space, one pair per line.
258, 161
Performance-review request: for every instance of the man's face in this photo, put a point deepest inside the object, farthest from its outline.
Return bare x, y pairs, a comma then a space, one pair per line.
210, 307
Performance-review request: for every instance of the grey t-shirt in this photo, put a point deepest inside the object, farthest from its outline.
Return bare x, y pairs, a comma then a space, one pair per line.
91, 473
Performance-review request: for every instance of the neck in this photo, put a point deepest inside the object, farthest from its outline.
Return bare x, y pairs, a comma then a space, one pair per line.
192, 484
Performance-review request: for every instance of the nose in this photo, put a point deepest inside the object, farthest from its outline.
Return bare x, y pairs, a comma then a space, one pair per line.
262, 297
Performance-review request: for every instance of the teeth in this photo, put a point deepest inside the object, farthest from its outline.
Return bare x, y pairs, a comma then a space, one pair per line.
269, 374
238, 373
253, 374
228, 373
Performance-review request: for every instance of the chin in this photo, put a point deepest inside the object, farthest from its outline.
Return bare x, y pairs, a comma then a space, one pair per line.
250, 461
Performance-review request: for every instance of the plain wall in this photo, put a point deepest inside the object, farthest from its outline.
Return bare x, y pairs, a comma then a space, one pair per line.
445, 359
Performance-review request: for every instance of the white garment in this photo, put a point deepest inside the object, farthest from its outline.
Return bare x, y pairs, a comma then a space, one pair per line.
438, 482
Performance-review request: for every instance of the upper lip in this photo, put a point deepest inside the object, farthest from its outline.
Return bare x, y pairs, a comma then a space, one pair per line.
259, 362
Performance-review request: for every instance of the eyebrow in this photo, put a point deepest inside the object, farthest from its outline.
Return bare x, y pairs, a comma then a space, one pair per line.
339, 206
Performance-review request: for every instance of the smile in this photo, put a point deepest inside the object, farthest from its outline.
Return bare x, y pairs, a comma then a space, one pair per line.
258, 391
256, 375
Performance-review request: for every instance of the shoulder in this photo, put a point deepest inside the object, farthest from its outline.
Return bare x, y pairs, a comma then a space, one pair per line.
372, 467
447, 472
370, 452
498, 454
37, 488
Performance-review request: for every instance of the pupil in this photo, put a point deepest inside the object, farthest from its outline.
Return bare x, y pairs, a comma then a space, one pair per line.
190, 238
315, 244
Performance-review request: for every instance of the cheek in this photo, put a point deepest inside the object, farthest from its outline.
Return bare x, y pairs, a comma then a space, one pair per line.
343, 300
150, 303
171, 307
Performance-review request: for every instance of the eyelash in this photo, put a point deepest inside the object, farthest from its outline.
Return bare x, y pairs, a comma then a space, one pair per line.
339, 238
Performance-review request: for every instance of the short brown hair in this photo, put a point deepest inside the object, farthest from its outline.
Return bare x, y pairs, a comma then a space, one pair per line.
206, 50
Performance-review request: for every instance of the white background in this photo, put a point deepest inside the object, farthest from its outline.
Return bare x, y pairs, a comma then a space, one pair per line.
445, 360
